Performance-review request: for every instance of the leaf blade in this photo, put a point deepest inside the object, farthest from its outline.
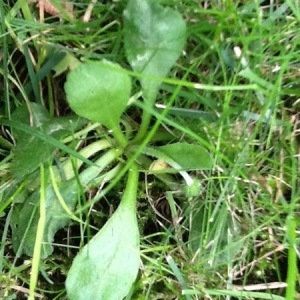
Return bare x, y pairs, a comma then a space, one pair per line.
188, 156
108, 265
154, 38
30, 151
26, 217
98, 91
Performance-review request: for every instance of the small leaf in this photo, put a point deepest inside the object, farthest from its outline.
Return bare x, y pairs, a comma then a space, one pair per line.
188, 156
69, 62
98, 91
154, 38
108, 265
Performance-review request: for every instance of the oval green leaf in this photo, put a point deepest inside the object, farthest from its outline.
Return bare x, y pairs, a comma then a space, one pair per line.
98, 91
108, 265
154, 38
188, 156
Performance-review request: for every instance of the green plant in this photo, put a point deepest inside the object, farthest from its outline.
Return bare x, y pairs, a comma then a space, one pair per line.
154, 38
107, 266
234, 90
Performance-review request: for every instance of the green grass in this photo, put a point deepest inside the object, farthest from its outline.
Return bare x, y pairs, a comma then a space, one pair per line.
244, 223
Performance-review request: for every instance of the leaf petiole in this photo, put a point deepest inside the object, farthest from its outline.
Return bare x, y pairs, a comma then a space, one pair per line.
90, 173
146, 118
119, 137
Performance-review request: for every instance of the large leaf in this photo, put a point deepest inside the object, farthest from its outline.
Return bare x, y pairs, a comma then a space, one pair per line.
32, 114
99, 91
30, 151
25, 218
107, 266
154, 38
26, 214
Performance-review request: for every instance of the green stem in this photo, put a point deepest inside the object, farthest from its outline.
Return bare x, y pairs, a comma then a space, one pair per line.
146, 118
73, 163
130, 193
292, 260
39, 236
106, 177
90, 173
119, 137
149, 95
